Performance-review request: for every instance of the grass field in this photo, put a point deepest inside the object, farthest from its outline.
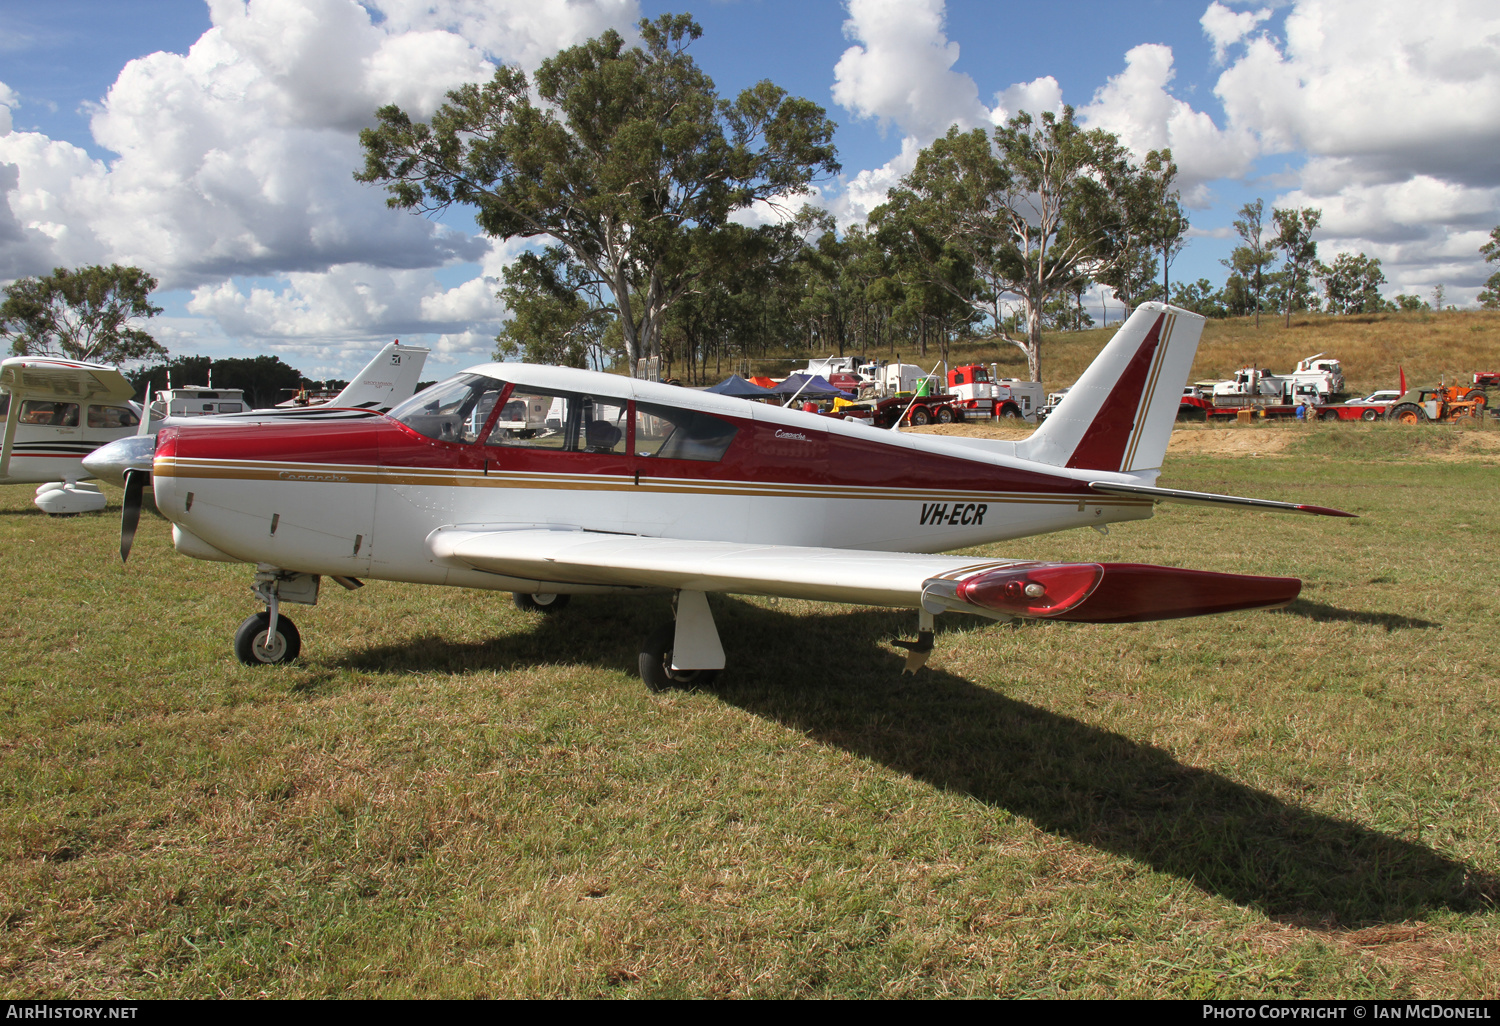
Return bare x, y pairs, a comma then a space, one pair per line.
448, 797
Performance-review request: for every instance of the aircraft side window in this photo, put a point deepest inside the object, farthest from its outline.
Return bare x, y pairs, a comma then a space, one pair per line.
677, 434
455, 410
112, 417
43, 411
560, 422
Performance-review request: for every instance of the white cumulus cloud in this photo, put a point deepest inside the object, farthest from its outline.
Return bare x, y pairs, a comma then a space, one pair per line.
1224, 27
1395, 106
1137, 106
236, 159
901, 69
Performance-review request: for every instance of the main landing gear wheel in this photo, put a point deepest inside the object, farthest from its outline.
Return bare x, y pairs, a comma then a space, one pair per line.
539, 603
656, 664
253, 648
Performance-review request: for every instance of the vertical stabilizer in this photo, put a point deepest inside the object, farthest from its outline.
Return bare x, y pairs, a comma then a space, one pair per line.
388, 379
1119, 415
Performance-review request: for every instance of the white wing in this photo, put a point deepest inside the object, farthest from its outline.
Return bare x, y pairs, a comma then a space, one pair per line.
1088, 592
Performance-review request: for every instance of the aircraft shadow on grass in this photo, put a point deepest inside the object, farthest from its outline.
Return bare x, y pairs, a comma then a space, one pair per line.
1069, 777
1320, 613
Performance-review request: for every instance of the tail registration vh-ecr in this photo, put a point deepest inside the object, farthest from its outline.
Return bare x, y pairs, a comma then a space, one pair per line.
549, 482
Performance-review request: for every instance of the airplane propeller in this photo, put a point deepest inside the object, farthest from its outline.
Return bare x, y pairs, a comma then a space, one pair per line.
130, 509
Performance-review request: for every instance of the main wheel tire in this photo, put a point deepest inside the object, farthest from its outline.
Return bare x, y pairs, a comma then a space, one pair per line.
945, 416
252, 648
656, 664
1370, 415
540, 603
1408, 413
920, 417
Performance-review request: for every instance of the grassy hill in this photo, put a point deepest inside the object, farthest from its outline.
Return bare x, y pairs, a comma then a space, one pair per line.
1430, 346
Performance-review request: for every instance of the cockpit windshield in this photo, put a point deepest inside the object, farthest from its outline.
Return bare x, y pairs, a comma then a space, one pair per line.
452, 411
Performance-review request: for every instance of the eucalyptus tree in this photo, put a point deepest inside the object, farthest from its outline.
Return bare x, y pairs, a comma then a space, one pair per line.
1352, 284
1294, 230
1250, 260
1034, 211
1489, 296
90, 314
557, 314
628, 162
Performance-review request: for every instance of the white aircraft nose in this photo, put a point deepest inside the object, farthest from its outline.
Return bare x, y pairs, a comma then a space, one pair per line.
109, 462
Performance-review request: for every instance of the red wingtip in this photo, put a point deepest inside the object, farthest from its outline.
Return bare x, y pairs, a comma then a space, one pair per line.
1324, 511
1122, 592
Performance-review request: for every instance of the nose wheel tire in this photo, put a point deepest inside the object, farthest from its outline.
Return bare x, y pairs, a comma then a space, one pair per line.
541, 603
253, 648
656, 664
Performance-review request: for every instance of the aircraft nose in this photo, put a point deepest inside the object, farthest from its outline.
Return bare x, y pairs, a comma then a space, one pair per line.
109, 462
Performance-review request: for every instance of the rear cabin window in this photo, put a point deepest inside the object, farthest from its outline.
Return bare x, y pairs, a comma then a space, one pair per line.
112, 417
668, 432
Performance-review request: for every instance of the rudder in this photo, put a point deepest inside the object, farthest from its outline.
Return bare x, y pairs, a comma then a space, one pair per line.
1119, 415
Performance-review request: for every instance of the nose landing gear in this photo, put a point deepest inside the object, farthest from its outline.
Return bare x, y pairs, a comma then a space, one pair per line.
269, 638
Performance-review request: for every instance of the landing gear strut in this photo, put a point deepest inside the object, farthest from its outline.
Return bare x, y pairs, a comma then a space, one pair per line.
269, 638
686, 653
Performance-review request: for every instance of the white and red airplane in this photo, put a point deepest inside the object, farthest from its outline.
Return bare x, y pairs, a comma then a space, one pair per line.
548, 482
59, 411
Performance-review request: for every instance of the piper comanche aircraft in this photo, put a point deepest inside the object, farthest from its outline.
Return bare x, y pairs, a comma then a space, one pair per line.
549, 482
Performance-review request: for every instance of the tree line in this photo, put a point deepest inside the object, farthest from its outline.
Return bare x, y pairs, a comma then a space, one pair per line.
645, 189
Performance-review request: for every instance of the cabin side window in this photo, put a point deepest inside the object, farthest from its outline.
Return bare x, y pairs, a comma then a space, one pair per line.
112, 417
455, 410
668, 432
560, 421
43, 411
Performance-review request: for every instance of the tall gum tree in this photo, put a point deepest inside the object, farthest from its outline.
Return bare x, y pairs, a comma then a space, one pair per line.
1036, 211
89, 314
631, 162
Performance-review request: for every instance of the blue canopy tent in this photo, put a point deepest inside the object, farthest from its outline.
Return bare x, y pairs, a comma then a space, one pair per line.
816, 387
740, 388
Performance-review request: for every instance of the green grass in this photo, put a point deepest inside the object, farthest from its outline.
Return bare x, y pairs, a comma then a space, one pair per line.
448, 797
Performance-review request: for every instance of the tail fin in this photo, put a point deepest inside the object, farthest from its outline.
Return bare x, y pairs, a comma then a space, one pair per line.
1119, 415
388, 379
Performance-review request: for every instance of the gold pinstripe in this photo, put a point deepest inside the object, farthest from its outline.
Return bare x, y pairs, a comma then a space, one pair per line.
332, 473
1157, 363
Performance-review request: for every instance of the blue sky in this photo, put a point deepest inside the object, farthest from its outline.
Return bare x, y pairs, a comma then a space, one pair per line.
213, 143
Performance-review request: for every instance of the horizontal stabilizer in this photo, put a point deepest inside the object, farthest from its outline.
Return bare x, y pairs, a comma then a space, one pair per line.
1106, 592
1210, 499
